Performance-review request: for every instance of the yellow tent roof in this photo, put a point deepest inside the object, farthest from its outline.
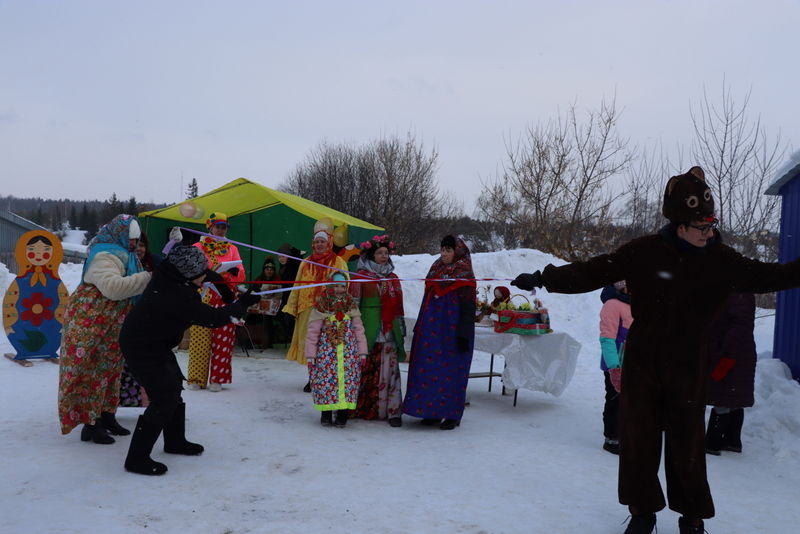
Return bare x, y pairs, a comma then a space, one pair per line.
243, 196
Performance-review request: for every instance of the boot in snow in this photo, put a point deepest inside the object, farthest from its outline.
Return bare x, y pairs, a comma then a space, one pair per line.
326, 418
96, 433
175, 435
732, 440
142, 441
686, 527
716, 428
641, 524
111, 424
450, 424
341, 418
611, 445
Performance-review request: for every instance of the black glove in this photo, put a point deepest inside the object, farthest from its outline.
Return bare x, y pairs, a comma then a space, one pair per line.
248, 299
234, 271
219, 282
527, 281
462, 344
213, 276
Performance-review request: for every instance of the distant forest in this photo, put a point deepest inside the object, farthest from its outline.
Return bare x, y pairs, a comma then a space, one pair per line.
62, 214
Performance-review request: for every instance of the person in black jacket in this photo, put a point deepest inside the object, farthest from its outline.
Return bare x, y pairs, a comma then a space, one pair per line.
732, 361
287, 272
679, 279
169, 305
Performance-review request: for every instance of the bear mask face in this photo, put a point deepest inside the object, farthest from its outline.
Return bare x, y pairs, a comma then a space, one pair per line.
688, 198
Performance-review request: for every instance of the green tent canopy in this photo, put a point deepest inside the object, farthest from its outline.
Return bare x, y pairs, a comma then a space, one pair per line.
257, 215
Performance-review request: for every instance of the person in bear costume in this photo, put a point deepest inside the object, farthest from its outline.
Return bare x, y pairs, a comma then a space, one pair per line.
679, 279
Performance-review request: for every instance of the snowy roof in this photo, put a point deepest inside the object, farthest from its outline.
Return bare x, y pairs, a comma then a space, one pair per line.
20, 221
787, 172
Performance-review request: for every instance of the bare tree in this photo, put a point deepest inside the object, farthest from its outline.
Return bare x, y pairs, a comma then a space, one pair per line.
390, 182
554, 183
739, 160
644, 190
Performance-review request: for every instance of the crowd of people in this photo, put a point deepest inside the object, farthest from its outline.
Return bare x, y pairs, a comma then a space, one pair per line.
675, 336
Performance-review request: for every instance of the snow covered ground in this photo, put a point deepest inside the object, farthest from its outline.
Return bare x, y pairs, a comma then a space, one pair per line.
270, 467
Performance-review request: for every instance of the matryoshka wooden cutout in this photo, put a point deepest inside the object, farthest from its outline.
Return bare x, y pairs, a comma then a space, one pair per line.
33, 306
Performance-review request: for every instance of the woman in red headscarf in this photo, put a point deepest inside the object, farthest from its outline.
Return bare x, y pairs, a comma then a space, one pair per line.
441, 351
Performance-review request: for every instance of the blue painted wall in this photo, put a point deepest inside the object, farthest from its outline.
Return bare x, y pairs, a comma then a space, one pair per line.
787, 321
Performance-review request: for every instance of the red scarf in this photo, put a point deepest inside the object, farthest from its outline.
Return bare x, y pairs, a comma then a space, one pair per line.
317, 272
391, 295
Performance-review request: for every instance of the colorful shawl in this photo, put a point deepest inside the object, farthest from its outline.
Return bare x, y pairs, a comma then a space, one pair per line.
113, 238
460, 269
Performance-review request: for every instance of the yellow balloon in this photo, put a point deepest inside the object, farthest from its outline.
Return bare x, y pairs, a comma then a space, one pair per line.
340, 236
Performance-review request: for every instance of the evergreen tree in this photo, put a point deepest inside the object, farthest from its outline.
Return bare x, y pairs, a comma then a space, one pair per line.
131, 207
84, 221
191, 191
112, 208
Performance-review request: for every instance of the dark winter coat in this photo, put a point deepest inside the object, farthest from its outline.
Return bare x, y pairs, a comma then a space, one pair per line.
676, 290
288, 271
168, 306
731, 336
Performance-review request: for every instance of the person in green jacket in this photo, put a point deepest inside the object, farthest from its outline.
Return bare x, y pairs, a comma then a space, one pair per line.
381, 304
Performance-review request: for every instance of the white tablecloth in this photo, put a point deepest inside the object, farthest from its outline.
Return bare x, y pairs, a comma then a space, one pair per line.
540, 363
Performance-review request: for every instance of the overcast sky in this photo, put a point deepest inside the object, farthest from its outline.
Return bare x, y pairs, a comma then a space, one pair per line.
128, 97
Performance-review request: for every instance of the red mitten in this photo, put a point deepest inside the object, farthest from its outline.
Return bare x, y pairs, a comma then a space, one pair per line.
721, 370
615, 375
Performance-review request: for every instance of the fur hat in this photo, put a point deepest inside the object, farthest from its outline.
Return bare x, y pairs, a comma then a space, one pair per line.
189, 261
215, 218
687, 197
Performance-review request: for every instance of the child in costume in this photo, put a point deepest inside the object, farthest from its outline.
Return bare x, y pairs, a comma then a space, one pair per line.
335, 349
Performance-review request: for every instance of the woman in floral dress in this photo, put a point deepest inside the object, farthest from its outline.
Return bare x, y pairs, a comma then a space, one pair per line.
441, 351
335, 348
381, 305
91, 361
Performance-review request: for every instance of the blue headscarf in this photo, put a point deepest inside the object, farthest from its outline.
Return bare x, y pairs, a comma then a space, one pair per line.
113, 238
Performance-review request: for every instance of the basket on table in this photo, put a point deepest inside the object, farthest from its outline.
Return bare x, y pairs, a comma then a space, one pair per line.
526, 323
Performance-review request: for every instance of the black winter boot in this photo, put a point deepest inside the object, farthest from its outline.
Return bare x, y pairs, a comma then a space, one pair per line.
686, 527
175, 435
732, 440
716, 429
611, 445
341, 419
142, 441
449, 424
326, 418
641, 524
96, 433
111, 424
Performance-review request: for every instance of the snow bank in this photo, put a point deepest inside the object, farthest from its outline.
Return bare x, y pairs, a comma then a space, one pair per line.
775, 413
